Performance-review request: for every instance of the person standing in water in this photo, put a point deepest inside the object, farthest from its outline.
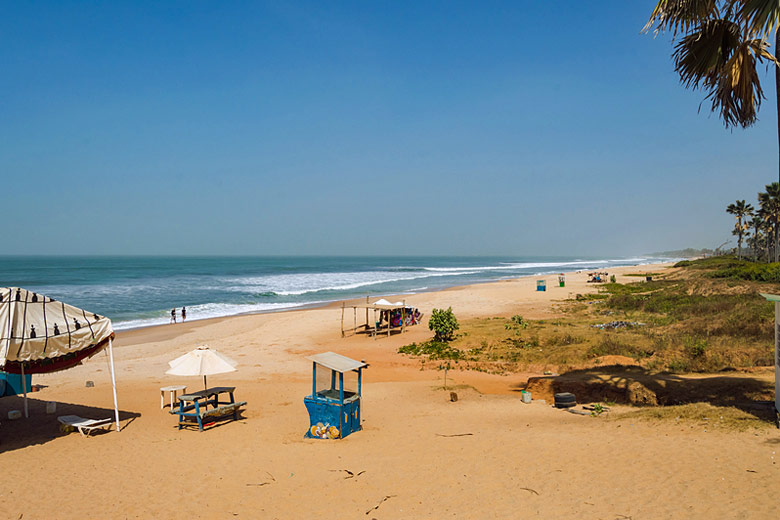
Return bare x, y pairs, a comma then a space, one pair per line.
183, 313
173, 315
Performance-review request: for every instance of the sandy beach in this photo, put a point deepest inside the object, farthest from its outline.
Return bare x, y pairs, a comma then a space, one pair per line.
419, 455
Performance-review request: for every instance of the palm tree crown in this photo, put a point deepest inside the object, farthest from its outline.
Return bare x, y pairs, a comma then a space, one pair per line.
740, 210
719, 51
770, 208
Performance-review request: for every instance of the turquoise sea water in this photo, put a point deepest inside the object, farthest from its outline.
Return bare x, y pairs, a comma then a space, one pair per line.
139, 291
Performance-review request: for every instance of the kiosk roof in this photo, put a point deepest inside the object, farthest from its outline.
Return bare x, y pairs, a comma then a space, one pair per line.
337, 362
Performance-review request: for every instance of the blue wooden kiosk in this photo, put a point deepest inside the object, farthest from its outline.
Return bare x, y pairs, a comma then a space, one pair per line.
334, 404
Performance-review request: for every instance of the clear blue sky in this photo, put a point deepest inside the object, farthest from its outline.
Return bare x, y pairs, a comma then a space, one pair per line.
517, 128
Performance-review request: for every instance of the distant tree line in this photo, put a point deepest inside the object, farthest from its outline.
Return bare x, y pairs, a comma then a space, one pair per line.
688, 252
759, 227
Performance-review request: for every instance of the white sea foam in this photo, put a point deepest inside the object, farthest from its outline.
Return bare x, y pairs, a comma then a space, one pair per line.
298, 284
554, 266
209, 310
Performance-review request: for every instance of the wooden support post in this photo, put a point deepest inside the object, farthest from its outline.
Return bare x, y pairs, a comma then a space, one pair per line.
113, 381
403, 317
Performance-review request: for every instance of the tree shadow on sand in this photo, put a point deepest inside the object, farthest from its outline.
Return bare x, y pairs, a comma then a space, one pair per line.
637, 386
41, 427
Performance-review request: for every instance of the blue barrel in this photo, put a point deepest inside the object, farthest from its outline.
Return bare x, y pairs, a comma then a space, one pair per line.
11, 384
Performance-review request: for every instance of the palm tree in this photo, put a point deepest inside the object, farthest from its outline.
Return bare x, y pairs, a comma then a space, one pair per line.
757, 224
740, 210
770, 208
721, 43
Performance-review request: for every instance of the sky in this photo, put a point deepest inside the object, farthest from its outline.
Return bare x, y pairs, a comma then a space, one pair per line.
360, 128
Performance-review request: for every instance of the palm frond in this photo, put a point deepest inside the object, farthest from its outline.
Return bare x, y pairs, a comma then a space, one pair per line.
738, 94
769, 202
717, 57
761, 16
700, 56
680, 15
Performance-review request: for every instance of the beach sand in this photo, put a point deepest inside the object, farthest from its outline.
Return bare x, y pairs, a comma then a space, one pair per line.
419, 455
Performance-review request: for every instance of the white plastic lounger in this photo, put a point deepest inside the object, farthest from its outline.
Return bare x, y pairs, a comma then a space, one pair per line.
85, 426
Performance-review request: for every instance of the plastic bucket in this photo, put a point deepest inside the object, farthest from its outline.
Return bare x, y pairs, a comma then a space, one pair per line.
526, 396
51, 407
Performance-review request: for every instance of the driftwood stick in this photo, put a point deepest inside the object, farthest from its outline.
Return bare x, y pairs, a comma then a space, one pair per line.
351, 474
264, 483
453, 435
380, 503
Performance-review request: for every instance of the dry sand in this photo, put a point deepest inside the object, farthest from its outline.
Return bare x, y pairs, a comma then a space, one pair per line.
419, 456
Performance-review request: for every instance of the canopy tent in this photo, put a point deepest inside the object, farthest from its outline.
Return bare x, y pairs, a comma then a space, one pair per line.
40, 335
385, 305
400, 308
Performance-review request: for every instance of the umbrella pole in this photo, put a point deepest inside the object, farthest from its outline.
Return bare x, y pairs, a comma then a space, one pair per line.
24, 389
113, 382
205, 386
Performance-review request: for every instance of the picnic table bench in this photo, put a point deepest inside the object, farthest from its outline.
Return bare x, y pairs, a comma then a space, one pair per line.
197, 406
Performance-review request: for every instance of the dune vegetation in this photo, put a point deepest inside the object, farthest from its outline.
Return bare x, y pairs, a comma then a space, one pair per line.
702, 316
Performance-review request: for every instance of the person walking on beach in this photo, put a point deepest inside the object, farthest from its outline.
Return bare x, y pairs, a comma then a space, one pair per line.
183, 314
173, 315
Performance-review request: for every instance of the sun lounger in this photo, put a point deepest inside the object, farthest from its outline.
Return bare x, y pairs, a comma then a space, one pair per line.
84, 426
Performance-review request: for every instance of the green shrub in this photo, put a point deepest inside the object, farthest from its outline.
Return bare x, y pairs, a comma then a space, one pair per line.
696, 347
433, 350
678, 365
749, 271
564, 339
713, 262
731, 268
518, 320
517, 324
443, 324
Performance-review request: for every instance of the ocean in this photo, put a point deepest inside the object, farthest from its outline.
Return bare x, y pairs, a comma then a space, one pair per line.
139, 291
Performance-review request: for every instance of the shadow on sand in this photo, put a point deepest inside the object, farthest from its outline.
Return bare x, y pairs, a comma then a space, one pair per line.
635, 385
41, 427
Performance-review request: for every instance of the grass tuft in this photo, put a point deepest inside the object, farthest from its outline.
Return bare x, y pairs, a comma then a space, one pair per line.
702, 414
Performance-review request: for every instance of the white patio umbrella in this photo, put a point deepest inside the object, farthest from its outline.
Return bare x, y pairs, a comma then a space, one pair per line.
201, 362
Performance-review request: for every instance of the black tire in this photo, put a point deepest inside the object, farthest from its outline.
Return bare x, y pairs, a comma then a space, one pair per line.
565, 400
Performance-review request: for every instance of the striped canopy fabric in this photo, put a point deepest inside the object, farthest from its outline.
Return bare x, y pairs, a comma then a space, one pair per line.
46, 335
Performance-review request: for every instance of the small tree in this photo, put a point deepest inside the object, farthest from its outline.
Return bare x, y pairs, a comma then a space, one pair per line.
443, 324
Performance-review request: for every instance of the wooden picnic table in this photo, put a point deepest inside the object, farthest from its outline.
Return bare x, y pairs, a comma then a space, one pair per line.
195, 405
